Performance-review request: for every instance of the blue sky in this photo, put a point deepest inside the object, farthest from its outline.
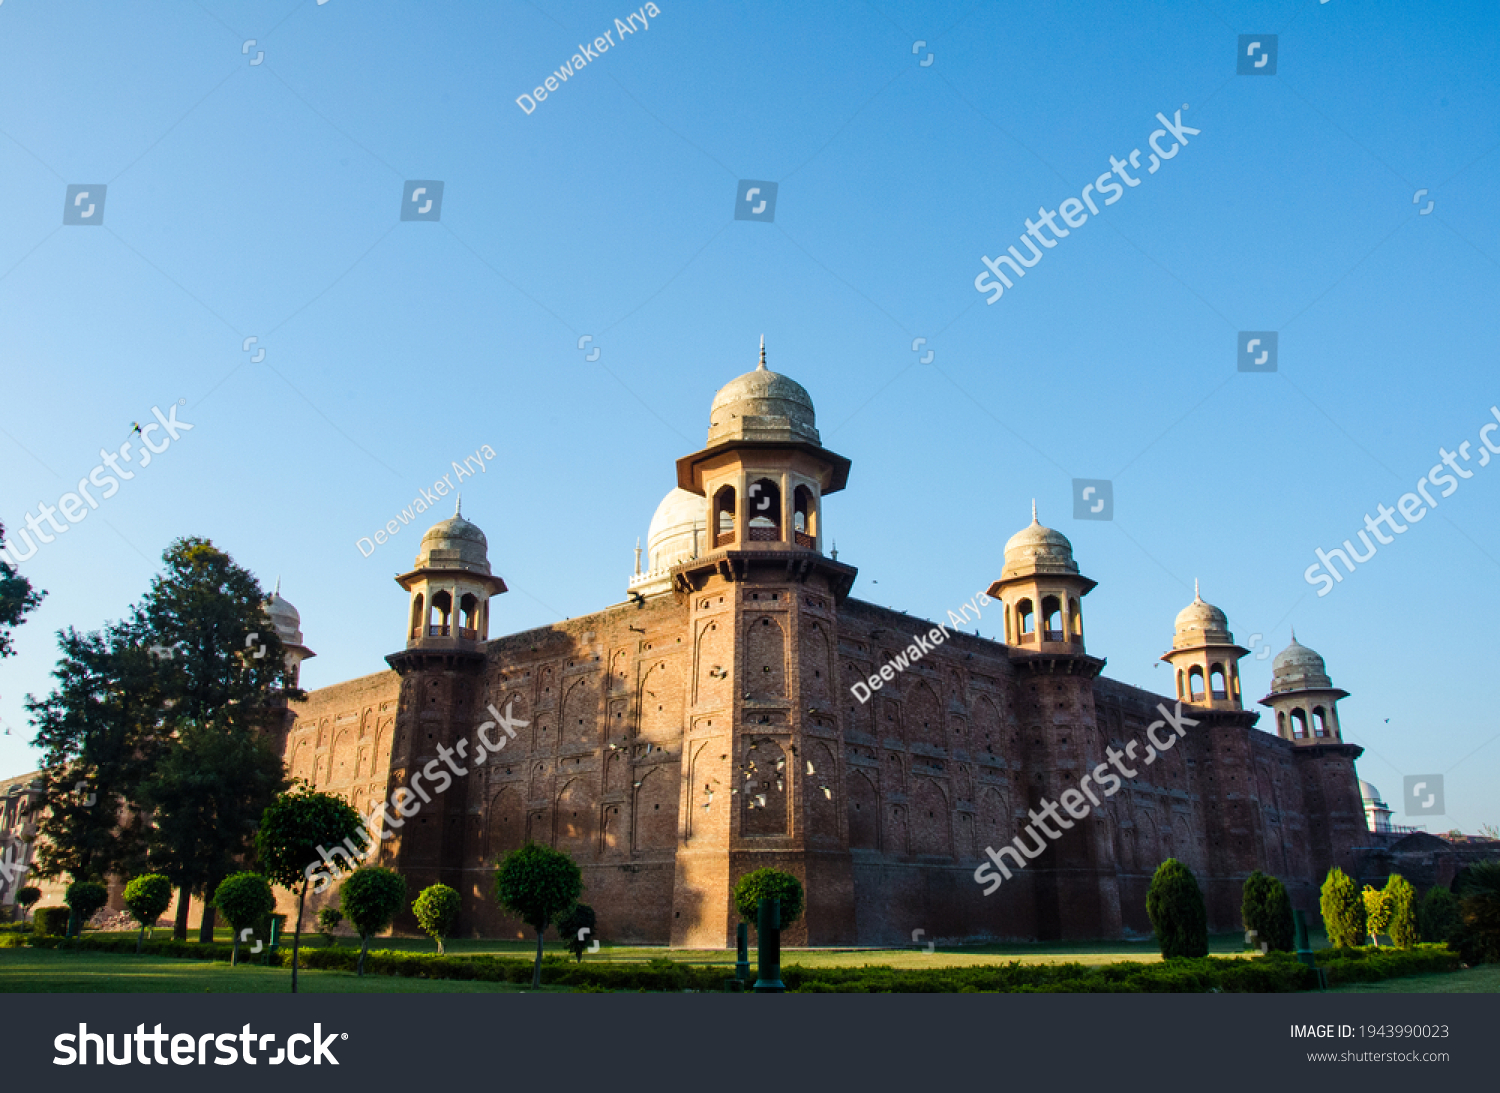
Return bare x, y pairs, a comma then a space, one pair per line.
262, 200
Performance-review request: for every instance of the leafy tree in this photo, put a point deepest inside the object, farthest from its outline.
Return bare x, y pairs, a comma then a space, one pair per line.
227, 667
1401, 902
17, 597
576, 920
1377, 914
84, 898
769, 884
246, 900
1479, 910
1267, 910
329, 920
1175, 906
26, 897
292, 830
436, 908
99, 733
371, 897
146, 898
1343, 910
1437, 915
537, 884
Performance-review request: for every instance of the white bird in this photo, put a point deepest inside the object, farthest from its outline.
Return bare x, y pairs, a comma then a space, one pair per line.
827, 792
810, 767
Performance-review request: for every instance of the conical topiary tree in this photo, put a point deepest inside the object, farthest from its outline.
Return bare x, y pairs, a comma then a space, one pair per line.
1343, 908
1175, 906
1267, 912
1401, 901
1377, 913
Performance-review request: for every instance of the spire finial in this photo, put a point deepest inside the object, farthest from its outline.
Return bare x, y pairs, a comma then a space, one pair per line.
278, 585
458, 504
1294, 635
1033, 510
1196, 595
762, 366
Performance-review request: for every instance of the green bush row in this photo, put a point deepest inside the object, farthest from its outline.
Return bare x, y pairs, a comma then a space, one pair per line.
1274, 973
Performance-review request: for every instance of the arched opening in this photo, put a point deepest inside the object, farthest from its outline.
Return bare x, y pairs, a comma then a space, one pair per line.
805, 518
1320, 722
763, 511
1026, 619
724, 516
1299, 724
1195, 684
441, 616
1216, 682
417, 605
468, 613
1052, 621
1281, 724
1075, 619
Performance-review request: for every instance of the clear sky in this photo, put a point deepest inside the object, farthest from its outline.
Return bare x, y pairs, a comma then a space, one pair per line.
263, 200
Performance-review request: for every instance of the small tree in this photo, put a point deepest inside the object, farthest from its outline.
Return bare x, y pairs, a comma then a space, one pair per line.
371, 898
769, 884
1267, 911
1343, 910
1437, 915
27, 898
537, 884
1377, 913
1175, 906
577, 926
1479, 910
436, 908
146, 898
329, 920
245, 899
293, 829
84, 899
1401, 902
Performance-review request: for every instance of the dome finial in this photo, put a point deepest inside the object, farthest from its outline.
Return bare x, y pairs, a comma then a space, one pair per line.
458, 504
1294, 635
762, 366
1197, 596
1033, 511
278, 585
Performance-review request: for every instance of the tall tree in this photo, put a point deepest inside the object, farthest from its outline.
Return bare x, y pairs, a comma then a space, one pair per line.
99, 732
226, 668
17, 597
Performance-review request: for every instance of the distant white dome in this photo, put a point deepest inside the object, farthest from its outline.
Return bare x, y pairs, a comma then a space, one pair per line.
671, 537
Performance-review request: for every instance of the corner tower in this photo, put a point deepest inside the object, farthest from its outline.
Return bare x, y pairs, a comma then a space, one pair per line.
1042, 591
1303, 697
1204, 658
763, 748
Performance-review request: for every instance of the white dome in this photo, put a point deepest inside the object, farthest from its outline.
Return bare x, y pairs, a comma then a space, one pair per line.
671, 537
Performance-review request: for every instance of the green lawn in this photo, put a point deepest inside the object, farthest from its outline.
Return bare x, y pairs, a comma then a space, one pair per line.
53, 972
1484, 979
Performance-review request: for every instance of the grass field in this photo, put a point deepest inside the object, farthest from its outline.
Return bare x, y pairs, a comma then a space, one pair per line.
1484, 979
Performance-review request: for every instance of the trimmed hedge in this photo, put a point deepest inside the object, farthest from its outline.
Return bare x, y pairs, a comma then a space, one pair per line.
51, 920
1275, 973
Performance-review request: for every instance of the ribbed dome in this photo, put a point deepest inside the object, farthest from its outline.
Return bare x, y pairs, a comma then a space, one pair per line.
762, 405
671, 536
1201, 623
454, 543
1038, 549
1298, 668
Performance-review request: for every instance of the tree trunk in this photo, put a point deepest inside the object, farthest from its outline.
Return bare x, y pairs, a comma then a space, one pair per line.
72, 930
206, 926
359, 969
297, 934
179, 923
140, 937
234, 950
536, 971
440, 945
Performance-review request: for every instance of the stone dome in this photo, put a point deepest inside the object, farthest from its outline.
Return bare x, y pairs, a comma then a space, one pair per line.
454, 543
762, 405
1038, 549
1201, 623
284, 618
1367, 792
671, 538
1298, 668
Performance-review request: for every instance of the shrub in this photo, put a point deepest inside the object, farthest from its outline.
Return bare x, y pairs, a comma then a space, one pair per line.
1267, 911
84, 898
26, 897
1175, 906
1479, 910
245, 899
769, 884
577, 927
1343, 910
147, 898
371, 897
1377, 913
329, 920
1401, 902
50, 921
536, 884
1437, 915
436, 909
